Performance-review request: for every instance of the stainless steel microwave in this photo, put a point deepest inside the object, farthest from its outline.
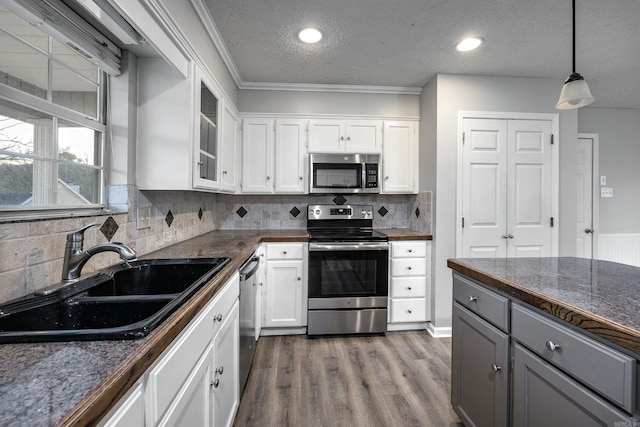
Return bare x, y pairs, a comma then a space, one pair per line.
344, 173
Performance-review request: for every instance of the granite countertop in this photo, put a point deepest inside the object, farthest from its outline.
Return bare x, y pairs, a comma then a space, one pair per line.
76, 383
404, 234
600, 297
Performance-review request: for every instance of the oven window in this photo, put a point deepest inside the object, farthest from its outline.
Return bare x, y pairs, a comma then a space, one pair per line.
348, 274
332, 175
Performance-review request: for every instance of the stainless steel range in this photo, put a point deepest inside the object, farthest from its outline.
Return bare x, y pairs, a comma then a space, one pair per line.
348, 271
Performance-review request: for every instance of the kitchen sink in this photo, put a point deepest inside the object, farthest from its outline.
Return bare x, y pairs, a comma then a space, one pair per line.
126, 301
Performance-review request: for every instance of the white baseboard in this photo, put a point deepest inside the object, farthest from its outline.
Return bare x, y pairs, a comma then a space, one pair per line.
269, 332
419, 326
439, 332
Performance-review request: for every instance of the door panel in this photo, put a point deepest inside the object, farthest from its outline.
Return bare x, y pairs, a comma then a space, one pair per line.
483, 182
584, 193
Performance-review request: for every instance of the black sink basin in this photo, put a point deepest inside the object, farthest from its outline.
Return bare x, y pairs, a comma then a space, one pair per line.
123, 302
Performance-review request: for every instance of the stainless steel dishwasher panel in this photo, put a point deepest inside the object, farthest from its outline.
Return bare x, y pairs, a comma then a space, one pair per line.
248, 290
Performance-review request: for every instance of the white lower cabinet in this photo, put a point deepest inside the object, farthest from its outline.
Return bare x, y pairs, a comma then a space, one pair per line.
409, 284
285, 290
195, 381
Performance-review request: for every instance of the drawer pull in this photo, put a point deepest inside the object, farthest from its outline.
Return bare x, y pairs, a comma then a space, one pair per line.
409, 288
215, 383
551, 346
409, 268
218, 318
495, 368
410, 250
409, 311
220, 370
284, 252
472, 298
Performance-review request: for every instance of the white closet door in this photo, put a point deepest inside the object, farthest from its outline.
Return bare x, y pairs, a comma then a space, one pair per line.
484, 178
507, 188
529, 189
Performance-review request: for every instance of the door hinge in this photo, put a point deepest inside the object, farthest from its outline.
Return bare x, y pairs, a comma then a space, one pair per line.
551, 139
463, 222
551, 221
463, 135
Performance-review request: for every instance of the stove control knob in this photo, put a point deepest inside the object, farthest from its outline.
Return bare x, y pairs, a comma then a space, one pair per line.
317, 211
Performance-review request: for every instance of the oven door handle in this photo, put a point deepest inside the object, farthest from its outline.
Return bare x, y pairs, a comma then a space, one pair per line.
368, 246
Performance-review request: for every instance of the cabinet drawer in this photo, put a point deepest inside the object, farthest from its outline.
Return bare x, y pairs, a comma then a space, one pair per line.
486, 303
604, 369
408, 287
408, 310
175, 364
285, 251
408, 249
409, 267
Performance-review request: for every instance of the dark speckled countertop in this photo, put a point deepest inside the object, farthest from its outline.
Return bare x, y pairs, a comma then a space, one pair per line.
76, 383
600, 297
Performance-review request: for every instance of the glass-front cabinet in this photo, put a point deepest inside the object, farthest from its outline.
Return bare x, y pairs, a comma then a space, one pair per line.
207, 171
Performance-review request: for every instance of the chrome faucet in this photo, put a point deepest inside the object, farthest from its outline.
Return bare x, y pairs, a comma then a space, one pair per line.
75, 257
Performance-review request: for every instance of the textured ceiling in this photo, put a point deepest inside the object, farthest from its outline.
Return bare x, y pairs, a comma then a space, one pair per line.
407, 42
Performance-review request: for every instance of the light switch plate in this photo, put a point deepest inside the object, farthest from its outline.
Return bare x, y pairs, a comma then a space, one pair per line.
603, 180
143, 218
606, 192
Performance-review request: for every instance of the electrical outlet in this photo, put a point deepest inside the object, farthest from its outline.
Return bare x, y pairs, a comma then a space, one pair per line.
143, 218
603, 180
606, 192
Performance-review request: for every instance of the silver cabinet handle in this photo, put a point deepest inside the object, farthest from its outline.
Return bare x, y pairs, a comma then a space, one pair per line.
472, 298
589, 230
508, 236
342, 138
299, 279
220, 370
284, 252
218, 318
386, 178
410, 250
495, 368
300, 178
216, 383
409, 288
409, 311
409, 268
348, 138
551, 346
268, 178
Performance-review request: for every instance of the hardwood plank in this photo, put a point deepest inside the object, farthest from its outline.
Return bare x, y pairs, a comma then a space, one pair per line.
400, 379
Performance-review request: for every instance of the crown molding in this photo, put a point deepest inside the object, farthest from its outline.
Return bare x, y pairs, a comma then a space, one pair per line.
214, 34
308, 87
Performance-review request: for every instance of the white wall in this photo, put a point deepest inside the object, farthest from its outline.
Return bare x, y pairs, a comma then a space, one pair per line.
339, 103
456, 93
619, 135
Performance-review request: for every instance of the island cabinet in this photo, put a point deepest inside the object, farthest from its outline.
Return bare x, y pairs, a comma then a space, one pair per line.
556, 375
409, 280
479, 355
340, 136
285, 290
187, 130
195, 382
273, 156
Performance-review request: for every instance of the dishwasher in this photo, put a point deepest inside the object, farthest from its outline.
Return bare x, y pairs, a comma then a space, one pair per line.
248, 297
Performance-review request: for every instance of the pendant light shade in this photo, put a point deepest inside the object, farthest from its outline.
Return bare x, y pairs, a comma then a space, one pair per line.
575, 92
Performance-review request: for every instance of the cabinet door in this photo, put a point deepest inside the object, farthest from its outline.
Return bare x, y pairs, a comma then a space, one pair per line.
326, 136
364, 136
479, 370
257, 156
208, 136
228, 150
544, 396
129, 411
399, 158
290, 154
226, 370
192, 405
284, 293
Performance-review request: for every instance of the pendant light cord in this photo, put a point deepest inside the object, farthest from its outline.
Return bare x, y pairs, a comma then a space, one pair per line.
573, 26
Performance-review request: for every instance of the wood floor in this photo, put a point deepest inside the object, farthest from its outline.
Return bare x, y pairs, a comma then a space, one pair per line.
401, 379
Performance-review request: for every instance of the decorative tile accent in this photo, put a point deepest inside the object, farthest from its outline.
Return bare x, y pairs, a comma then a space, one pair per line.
295, 212
383, 211
241, 212
109, 228
200, 214
169, 218
339, 200
417, 212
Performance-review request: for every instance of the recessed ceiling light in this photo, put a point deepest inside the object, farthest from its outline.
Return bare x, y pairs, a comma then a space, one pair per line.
310, 35
469, 43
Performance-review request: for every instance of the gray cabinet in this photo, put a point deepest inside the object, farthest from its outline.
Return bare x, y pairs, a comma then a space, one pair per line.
544, 396
479, 370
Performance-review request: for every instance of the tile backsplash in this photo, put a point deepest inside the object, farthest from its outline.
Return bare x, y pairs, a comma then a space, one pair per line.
31, 252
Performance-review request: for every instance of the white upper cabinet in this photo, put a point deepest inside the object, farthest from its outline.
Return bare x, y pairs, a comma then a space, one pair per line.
273, 156
350, 136
400, 157
186, 131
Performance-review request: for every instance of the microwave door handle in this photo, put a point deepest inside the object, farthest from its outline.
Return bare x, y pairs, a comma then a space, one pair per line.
364, 176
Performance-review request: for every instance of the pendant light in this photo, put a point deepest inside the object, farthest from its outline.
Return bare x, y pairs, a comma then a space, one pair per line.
575, 92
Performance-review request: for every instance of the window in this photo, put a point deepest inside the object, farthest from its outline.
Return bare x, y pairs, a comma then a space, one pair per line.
52, 122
